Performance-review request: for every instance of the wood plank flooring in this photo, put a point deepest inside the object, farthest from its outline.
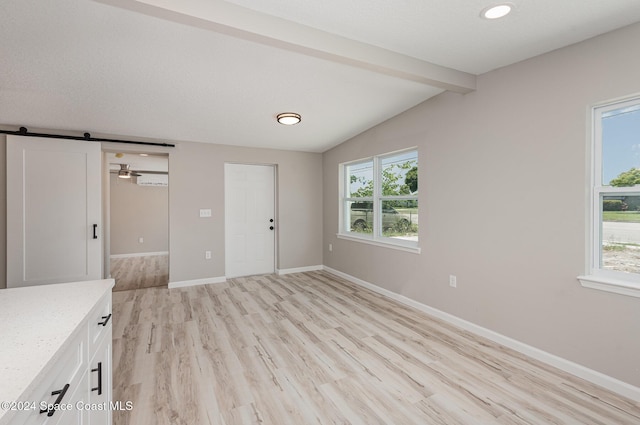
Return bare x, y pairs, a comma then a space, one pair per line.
311, 348
140, 272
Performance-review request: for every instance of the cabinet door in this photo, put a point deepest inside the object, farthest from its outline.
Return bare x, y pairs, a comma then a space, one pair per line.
100, 383
63, 384
53, 211
71, 411
77, 414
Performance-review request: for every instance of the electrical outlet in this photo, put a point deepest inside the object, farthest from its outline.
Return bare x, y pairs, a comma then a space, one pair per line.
207, 255
453, 281
140, 239
330, 247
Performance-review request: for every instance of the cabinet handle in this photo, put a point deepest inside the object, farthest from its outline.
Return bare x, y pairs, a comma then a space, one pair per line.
60, 393
99, 370
95, 231
105, 320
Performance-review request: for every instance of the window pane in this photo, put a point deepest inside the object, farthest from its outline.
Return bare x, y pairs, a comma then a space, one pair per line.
400, 219
620, 240
621, 146
360, 183
400, 174
359, 217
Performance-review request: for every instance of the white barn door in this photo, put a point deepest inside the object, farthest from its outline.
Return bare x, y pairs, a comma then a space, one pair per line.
249, 219
54, 215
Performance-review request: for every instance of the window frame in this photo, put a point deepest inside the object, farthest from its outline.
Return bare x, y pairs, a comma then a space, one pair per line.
597, 277
376, 237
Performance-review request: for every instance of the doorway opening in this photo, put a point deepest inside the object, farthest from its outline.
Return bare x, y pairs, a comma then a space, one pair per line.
138, 208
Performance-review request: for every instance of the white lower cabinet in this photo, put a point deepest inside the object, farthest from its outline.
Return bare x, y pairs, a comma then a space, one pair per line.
76, 390
74, 415
64, 380
100, 386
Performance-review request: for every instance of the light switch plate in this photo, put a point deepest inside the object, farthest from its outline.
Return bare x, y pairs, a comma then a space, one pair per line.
205, 213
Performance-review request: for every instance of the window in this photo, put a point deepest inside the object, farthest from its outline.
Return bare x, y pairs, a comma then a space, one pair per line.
379, 200
615, 209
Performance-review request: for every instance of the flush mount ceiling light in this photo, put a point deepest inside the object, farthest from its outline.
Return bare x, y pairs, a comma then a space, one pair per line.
496, 11
289, 118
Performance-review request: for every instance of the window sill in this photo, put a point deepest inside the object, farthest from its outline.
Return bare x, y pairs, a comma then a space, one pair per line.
608, 284
377, 242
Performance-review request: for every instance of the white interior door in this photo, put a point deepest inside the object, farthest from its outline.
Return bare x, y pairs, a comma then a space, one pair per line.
53, 211
249, 219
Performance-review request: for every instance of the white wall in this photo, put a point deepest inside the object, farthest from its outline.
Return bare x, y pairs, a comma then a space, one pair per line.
138, 212
503, 203
197, 181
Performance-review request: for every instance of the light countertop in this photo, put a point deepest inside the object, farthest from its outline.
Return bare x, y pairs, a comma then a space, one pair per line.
35, 324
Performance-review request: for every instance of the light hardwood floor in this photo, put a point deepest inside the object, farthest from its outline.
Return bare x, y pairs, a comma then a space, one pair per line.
311, 348
140, 272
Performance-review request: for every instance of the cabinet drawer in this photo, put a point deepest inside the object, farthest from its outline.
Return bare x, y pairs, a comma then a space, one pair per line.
63, 380
99, 323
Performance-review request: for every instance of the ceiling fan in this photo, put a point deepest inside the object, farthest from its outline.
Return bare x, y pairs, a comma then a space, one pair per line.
126, 173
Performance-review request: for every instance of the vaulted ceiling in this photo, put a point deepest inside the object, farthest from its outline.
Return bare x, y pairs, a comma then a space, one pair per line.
218, 71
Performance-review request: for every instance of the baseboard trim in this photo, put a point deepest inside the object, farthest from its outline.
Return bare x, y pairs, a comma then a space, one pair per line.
299, 270
139, 254
598, 378
195, 282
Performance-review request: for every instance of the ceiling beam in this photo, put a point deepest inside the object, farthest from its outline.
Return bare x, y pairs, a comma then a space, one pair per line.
240, 22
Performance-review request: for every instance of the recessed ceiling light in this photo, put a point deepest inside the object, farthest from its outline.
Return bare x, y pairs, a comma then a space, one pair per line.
144, 154
496, 11
289, 118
